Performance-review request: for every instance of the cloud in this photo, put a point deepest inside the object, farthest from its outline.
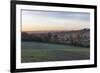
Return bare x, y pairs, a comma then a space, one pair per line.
58, 19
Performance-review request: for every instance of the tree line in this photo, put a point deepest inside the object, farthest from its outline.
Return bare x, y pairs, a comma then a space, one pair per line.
77, 38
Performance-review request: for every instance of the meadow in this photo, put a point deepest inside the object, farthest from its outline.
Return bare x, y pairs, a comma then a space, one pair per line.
43, 52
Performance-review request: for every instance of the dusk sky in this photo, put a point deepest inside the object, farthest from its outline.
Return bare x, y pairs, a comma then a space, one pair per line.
54, 21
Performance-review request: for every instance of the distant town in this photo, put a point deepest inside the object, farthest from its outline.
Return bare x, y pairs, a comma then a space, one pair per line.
74, 37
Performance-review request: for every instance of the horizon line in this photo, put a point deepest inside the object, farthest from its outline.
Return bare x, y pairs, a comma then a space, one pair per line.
54, 30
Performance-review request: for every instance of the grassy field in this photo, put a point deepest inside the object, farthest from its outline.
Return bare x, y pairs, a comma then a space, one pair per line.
41, 52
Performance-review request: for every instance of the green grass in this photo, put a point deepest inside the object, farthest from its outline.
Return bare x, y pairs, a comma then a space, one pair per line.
36, 55
39, 52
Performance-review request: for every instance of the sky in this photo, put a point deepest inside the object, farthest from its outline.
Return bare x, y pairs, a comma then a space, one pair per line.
54, 20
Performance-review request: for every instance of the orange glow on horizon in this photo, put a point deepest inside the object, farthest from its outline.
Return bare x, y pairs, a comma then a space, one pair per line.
45, 27
41, 27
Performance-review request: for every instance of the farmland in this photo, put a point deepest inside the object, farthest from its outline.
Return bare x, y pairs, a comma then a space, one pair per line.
41, 52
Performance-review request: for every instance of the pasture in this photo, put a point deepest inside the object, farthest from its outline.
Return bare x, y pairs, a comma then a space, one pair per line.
43, 52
